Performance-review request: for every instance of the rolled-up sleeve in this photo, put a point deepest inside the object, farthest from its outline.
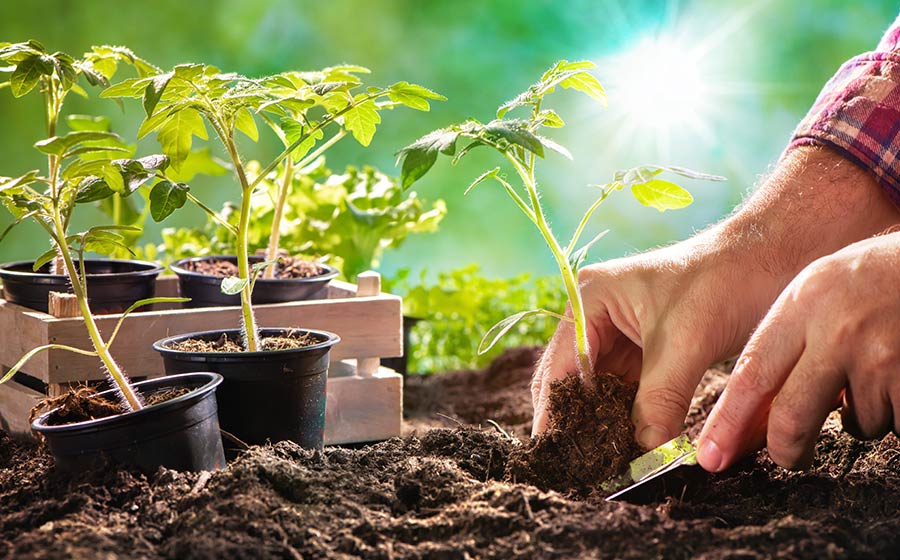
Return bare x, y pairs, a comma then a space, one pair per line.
858, 113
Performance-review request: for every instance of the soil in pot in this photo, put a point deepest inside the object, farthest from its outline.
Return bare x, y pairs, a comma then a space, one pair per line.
178, 427
200, 279
274, 394
442, 494
113, 285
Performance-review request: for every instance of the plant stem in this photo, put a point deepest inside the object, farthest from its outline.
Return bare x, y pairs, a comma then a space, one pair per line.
251, 331
79, 287
570, 279
275, 234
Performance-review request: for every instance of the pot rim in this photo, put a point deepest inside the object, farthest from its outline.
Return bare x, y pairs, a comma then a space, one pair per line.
214, 380
151, 269
329, 274
330, 340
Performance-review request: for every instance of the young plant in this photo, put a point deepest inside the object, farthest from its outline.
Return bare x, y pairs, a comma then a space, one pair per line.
347, 219
83, 165
299, 106
520, 143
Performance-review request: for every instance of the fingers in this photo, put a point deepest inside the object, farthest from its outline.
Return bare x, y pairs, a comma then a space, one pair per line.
866, 413
800, 409
670, 373
559, 360
759, 374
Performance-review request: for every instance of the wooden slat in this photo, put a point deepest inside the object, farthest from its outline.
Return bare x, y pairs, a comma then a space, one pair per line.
368, 284
16, 402
361, 409
22, 329
369, 327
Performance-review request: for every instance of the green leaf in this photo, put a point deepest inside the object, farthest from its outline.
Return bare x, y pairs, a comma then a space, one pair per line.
413, 95
662, 195
244, 122
112, 175
587, 84
257, 267
32, 353
496, 332
87, 123
558, 148
154, 90
165, 198
198, 162
58, 145
28, 73
233, 285
17, 221
176, 133
580, 255
137, 305
549, 117
481, 178
134, 87
7, 183
515, 132
92, 189
361, 120
46, 257
420, 156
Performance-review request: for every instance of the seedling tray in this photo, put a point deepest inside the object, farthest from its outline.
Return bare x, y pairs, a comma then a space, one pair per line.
364, 400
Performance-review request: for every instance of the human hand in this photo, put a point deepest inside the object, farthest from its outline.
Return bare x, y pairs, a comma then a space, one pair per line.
661, 317
831, 338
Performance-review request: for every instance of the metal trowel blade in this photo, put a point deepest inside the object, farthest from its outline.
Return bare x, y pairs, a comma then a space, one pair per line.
652, 464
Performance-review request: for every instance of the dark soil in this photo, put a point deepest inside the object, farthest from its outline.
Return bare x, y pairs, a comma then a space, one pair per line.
293, 339
589, 437
285, 268
444, 493
83, 403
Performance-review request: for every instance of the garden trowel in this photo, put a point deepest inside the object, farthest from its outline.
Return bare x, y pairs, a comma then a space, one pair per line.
653, 464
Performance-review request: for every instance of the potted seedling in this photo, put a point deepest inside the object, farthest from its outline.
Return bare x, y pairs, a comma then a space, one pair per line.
275, 378
89, 150
348, 219
520, 143
167, 421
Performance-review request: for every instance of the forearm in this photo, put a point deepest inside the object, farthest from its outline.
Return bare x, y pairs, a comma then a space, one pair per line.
813, 204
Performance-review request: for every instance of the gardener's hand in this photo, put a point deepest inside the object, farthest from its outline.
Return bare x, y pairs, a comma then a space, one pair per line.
834, 331
665, 316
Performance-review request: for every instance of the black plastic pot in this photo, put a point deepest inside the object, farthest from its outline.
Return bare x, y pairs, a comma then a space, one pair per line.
401, 364
271, 395
113, 285
204, 289
181, 433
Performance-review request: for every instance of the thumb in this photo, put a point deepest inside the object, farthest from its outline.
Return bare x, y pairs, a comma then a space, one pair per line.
670, 373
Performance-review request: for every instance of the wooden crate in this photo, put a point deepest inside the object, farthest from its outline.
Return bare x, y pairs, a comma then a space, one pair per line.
364, 400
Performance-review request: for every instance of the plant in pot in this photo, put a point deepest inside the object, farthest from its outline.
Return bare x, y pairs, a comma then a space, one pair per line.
176, 426
100, 158
520, 143
274, 378
347, 220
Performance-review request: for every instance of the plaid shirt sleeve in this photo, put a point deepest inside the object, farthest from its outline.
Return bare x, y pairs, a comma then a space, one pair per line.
858, 113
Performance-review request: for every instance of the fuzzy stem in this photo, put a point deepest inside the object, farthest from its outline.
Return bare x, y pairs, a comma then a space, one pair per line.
251, 331
569, 276
79, 287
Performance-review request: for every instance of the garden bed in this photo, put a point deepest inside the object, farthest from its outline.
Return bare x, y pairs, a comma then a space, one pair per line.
442, 493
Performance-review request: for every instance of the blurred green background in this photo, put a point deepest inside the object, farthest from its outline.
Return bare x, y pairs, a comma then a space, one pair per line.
712, 85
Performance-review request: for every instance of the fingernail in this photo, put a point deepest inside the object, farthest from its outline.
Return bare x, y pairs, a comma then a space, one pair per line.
710, 456
653, 435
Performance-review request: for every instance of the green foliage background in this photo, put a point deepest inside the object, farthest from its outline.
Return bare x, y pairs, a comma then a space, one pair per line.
478, 53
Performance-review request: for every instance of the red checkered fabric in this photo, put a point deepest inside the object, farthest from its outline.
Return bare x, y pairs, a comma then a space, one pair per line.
858, 113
